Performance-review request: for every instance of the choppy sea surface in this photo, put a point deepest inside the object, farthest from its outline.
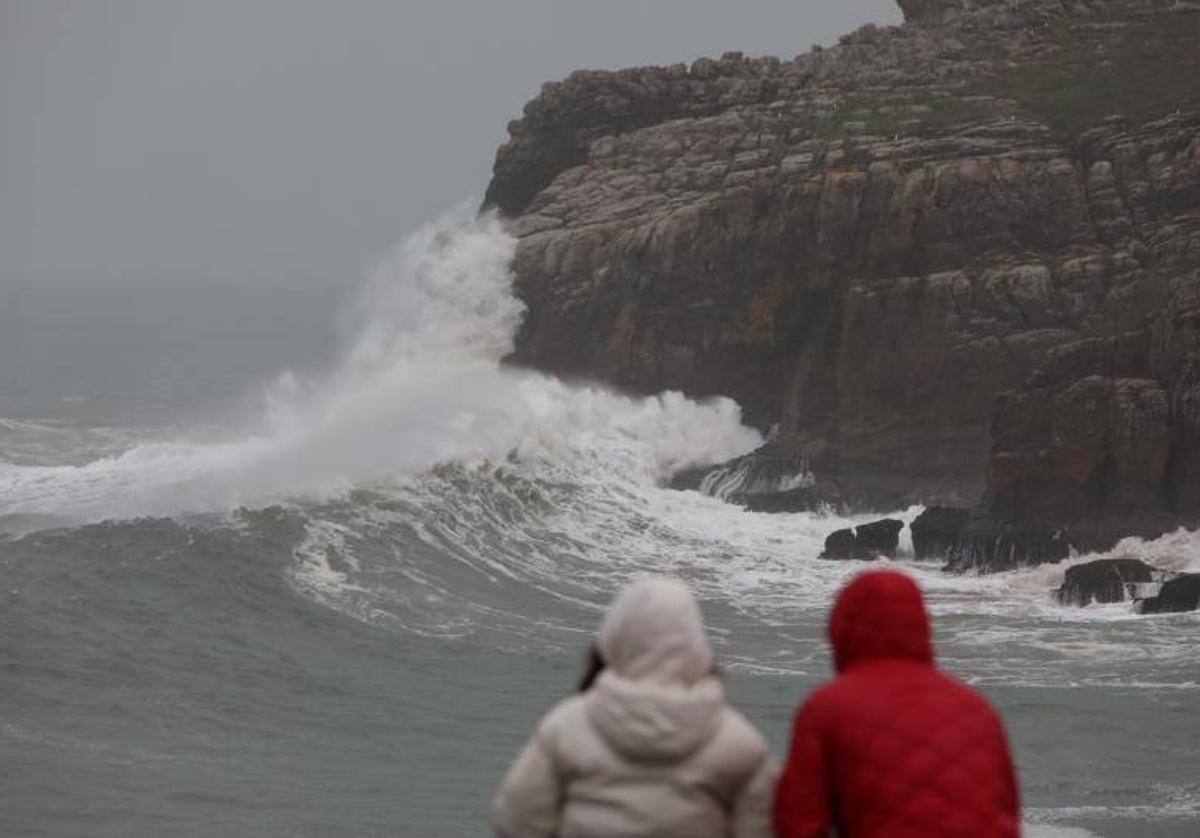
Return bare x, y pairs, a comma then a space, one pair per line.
339, 607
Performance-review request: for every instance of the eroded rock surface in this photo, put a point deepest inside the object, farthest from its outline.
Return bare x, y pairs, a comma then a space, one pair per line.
1103, 441
866, 541
1105, 581
1179, 594
936, 530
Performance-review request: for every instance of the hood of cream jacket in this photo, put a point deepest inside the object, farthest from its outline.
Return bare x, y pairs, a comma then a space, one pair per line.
657, 700
653, 633
652, 749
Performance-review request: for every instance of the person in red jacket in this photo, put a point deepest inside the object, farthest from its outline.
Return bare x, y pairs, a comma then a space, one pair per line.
892, 746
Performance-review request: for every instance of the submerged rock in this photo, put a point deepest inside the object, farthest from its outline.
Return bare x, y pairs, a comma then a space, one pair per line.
1179, 594
866, 541
1105, 580
937, 529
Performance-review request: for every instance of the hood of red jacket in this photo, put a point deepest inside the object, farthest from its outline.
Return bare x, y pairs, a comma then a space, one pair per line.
879, 615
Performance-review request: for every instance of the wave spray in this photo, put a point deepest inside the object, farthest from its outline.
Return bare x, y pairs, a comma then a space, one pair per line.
419, 382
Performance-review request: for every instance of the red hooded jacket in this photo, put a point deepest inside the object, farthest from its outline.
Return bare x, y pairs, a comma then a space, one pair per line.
892, 746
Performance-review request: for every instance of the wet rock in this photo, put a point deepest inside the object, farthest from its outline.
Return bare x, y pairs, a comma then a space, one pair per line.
796, 500
1102, 442
867, 244
866, 541
879, 538
937, 529
1179, 594
985, 547
841, 544
765, 480
1105, 580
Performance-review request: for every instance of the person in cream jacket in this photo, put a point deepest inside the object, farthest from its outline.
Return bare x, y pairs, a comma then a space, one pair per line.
650, 748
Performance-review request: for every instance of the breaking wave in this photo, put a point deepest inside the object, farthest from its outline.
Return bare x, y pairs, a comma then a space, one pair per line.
420, 383
426, 489
427, 470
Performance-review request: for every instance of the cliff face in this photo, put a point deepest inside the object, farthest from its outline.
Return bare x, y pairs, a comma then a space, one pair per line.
867, 244
1103, 441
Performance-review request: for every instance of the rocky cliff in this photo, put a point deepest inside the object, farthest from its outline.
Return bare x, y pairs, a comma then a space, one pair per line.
1103, 441
866, 244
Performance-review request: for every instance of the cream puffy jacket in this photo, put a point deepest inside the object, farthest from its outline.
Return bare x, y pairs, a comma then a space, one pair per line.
651, 749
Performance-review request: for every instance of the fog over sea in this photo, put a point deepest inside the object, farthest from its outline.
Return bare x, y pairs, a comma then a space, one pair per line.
278, 563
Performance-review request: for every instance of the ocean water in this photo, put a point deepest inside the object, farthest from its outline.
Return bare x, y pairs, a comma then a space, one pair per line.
338, 604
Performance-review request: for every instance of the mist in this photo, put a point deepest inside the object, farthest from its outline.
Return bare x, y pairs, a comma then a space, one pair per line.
191, 193
296, 141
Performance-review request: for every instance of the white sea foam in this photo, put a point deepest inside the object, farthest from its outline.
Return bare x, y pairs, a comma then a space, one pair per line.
567, 535
499, 477
1177, 551
1164, 802
421, 382
1051, 831
1040, 830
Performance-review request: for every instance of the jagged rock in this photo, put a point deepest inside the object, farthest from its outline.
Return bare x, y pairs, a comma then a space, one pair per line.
841, 544
803, 499
765, 480
868, 243
985, 547
879, 538
1179, 594
866, 541
937, 529
1105, 580
1103, 442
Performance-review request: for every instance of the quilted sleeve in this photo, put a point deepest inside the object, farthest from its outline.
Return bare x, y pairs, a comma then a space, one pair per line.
802, 800
530, 796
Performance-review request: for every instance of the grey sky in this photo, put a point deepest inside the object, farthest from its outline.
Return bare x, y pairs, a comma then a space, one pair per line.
246, 139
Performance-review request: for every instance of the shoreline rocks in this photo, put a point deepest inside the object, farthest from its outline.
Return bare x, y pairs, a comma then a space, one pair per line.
988, 547
1176, 595
865, 542
1105, 581
936, 530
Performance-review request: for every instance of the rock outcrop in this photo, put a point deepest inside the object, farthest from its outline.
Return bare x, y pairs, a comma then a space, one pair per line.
840, 545
866, 541
936, 530
868, 243
768, 480
1105, 581
1179, 594
1103, 441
